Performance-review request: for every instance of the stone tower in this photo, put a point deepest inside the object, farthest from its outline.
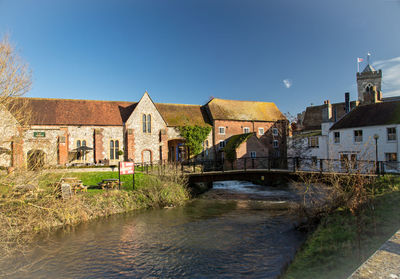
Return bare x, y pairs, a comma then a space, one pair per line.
368, 82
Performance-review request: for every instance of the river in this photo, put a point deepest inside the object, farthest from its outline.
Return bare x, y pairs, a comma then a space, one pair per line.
223, 234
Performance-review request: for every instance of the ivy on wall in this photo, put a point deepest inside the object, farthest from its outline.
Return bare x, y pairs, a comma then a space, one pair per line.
194, 137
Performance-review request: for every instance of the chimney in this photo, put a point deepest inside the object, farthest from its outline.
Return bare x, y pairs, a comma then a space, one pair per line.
327, 111
347, 102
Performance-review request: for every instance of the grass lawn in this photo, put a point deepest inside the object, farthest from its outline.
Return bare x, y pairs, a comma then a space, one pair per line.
331, 250
93, 178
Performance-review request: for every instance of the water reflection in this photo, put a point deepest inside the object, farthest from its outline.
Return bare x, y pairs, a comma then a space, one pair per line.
204, 239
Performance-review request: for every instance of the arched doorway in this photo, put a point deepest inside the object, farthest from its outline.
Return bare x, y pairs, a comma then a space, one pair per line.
36, 159
147, 156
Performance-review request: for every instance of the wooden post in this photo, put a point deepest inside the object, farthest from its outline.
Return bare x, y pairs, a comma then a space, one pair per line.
119, 175
321, 165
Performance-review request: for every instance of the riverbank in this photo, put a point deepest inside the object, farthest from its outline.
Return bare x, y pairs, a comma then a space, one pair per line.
331, 251
40, 210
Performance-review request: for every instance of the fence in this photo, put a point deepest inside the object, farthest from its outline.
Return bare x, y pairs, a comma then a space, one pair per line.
292, 164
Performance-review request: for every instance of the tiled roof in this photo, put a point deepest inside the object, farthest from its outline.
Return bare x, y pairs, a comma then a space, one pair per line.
370, 115
244, 110
181, 115
76, 112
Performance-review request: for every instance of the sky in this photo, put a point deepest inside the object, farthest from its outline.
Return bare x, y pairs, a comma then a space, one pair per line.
293, 53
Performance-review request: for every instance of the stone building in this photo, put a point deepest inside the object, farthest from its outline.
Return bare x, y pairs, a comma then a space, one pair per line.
67, 132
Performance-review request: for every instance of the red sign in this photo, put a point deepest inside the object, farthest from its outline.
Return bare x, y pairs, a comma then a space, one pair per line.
126, 168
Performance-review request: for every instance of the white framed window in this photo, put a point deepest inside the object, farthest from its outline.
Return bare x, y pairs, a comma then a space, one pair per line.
246, 130
275, 131
391, 134
253, 154
313, 142
221, 144
337, 137
261, 131
358, 135
221, 130
275, 144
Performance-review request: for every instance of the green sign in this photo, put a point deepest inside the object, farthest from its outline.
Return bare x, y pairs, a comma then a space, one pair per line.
39, 134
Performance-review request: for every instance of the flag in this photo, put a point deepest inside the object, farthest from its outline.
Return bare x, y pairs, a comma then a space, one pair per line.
359, 60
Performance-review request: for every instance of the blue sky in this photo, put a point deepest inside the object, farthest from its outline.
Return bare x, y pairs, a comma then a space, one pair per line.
290, 52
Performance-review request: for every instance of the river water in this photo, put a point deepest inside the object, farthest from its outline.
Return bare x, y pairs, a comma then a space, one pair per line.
223, 234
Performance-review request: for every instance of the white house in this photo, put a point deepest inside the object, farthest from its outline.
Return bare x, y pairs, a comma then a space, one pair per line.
352, 135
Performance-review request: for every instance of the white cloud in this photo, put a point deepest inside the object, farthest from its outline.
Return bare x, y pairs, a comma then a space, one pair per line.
390, 76
287, 82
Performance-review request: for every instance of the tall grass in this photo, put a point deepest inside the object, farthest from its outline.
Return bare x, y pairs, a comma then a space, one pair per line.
23, 215
331, 251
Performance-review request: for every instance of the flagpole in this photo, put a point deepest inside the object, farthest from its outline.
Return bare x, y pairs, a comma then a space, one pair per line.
358, 66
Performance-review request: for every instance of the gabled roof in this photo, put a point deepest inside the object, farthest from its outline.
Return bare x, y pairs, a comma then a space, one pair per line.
370, 115
76, 112
180, 115
368, 69
244, 110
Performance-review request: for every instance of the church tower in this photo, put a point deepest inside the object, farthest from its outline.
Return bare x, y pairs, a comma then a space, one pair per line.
369, 85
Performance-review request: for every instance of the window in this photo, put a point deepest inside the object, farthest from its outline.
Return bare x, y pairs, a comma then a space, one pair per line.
206, 147
261, 131
358, 136
275, 131
391, 134
313, 142
146, 123
391, 157
221, 130
314, 161
80, 154
114, 149
275, 144
246, 130
253, 154
353, 161
222, 144
337, 137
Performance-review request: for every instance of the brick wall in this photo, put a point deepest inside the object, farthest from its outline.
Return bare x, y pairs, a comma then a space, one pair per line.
267, 138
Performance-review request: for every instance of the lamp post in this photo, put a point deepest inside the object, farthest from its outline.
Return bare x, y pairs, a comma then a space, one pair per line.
376, 137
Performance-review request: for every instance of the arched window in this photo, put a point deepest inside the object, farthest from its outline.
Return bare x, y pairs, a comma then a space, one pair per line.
112, 150
116, 149
144, 123
148, 123
84, 143
369, 87
83, 152
78, 143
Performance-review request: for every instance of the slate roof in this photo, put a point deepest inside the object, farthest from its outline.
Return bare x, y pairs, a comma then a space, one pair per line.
244, 110
76, 112
368, 69
370, 115
180, 115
